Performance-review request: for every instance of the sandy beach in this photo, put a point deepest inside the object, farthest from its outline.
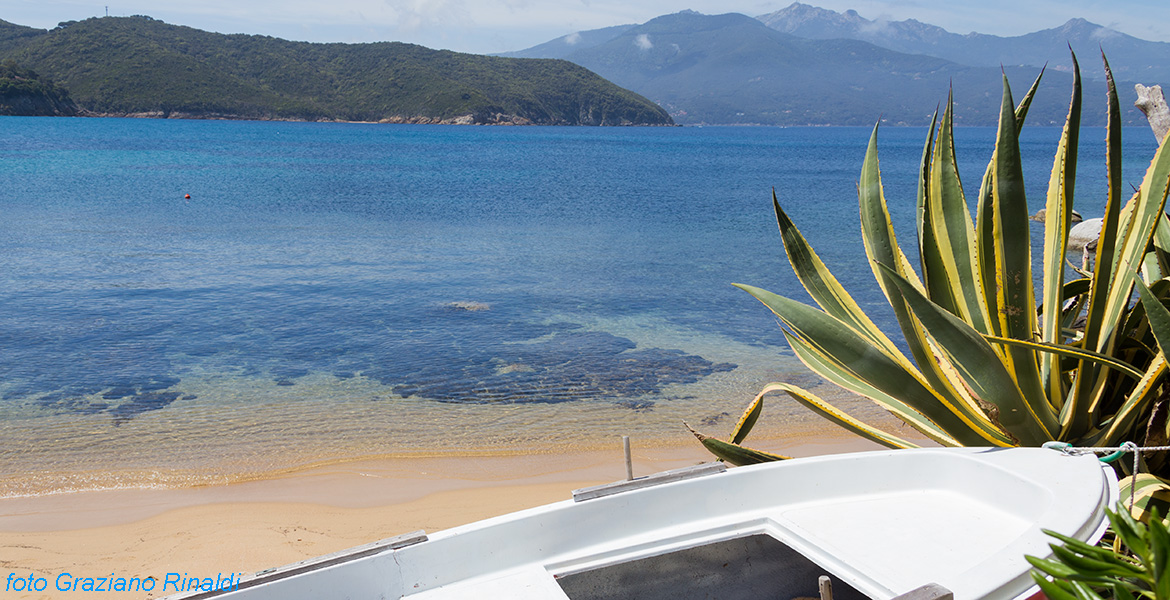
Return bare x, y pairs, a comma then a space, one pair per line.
246, 527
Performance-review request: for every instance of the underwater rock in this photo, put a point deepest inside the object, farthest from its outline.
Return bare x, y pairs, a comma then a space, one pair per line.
712, 420
141, 403
468, 305
566, 366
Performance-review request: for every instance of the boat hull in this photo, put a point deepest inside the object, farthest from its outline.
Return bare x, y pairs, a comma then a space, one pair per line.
878, 523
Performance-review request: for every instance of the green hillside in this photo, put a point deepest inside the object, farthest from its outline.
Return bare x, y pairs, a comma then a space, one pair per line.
135, 65
24, 93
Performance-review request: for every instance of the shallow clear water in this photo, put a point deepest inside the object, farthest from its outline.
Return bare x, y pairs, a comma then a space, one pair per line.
335, 291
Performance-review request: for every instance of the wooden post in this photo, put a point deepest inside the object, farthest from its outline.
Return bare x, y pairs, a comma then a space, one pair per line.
826, 586
629, 459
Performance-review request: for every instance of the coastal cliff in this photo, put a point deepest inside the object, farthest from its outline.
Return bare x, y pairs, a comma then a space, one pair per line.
23, 93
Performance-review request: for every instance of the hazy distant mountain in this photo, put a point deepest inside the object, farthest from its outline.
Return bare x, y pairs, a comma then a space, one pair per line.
144, 67
567, 44
733, 69
1132, 59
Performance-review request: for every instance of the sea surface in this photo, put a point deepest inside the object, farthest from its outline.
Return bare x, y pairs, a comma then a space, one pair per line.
329, 292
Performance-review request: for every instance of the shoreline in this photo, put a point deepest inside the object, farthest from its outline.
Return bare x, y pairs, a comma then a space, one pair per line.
250, 526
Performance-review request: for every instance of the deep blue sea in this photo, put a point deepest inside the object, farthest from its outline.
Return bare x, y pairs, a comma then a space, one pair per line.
338, 291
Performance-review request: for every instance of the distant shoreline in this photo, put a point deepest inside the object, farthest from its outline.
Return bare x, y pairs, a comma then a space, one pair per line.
501, 120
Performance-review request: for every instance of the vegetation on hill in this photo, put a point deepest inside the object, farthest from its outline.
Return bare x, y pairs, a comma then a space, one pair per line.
138, 65
24, 93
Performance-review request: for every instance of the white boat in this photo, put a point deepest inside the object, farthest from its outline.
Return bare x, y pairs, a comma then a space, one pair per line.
914, 523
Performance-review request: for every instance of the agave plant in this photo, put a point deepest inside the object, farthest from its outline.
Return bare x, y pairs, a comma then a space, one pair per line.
993, 361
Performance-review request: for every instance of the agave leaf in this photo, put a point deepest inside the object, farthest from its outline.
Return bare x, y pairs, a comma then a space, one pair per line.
977, 363
1157, 314
1059, 350
881, 246
1075, 415
954, 231
985, 232
849, 360
1015, 298
1144, 215
933, 275
1022, 107
837, 416
734, 453
839, 374
1057, 218
877, 231
748, 420
1121, 426
1161, 250
824, 288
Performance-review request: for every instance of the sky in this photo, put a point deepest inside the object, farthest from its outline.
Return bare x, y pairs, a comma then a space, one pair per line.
490, 26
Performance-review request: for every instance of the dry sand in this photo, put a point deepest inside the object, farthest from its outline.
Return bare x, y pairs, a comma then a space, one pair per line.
247, 527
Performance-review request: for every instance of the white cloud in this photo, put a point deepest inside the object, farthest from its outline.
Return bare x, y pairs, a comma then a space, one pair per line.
1106, 32
643, 42
573, 38
877, 26
412, 15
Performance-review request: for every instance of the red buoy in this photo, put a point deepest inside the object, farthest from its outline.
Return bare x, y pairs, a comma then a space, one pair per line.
188, 196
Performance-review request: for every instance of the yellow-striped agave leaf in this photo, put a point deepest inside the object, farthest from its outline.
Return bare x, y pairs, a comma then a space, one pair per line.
954, 231
852, 361
1148, 492
985, 231
881, 246
1134, 412
1057, 219
748, 420
1145, 211
934, 276
1157, 265
824, 288
734, 453
983, 374
1076, 352
839, 374
1076, 416
832, 413
1015, 297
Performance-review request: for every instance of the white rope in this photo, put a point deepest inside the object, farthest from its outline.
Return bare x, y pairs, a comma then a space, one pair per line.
1125, 447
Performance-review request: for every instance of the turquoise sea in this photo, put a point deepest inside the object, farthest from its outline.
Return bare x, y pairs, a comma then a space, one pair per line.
339, 291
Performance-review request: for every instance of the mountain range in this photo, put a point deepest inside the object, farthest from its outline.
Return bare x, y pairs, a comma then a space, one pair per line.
144, 67
1131, 59
734, 69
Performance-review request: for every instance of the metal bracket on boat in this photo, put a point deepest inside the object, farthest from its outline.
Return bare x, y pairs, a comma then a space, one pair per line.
930, 591
609, 489
310, 564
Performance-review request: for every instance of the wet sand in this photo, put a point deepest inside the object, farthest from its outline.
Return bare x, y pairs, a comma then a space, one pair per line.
246, 527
